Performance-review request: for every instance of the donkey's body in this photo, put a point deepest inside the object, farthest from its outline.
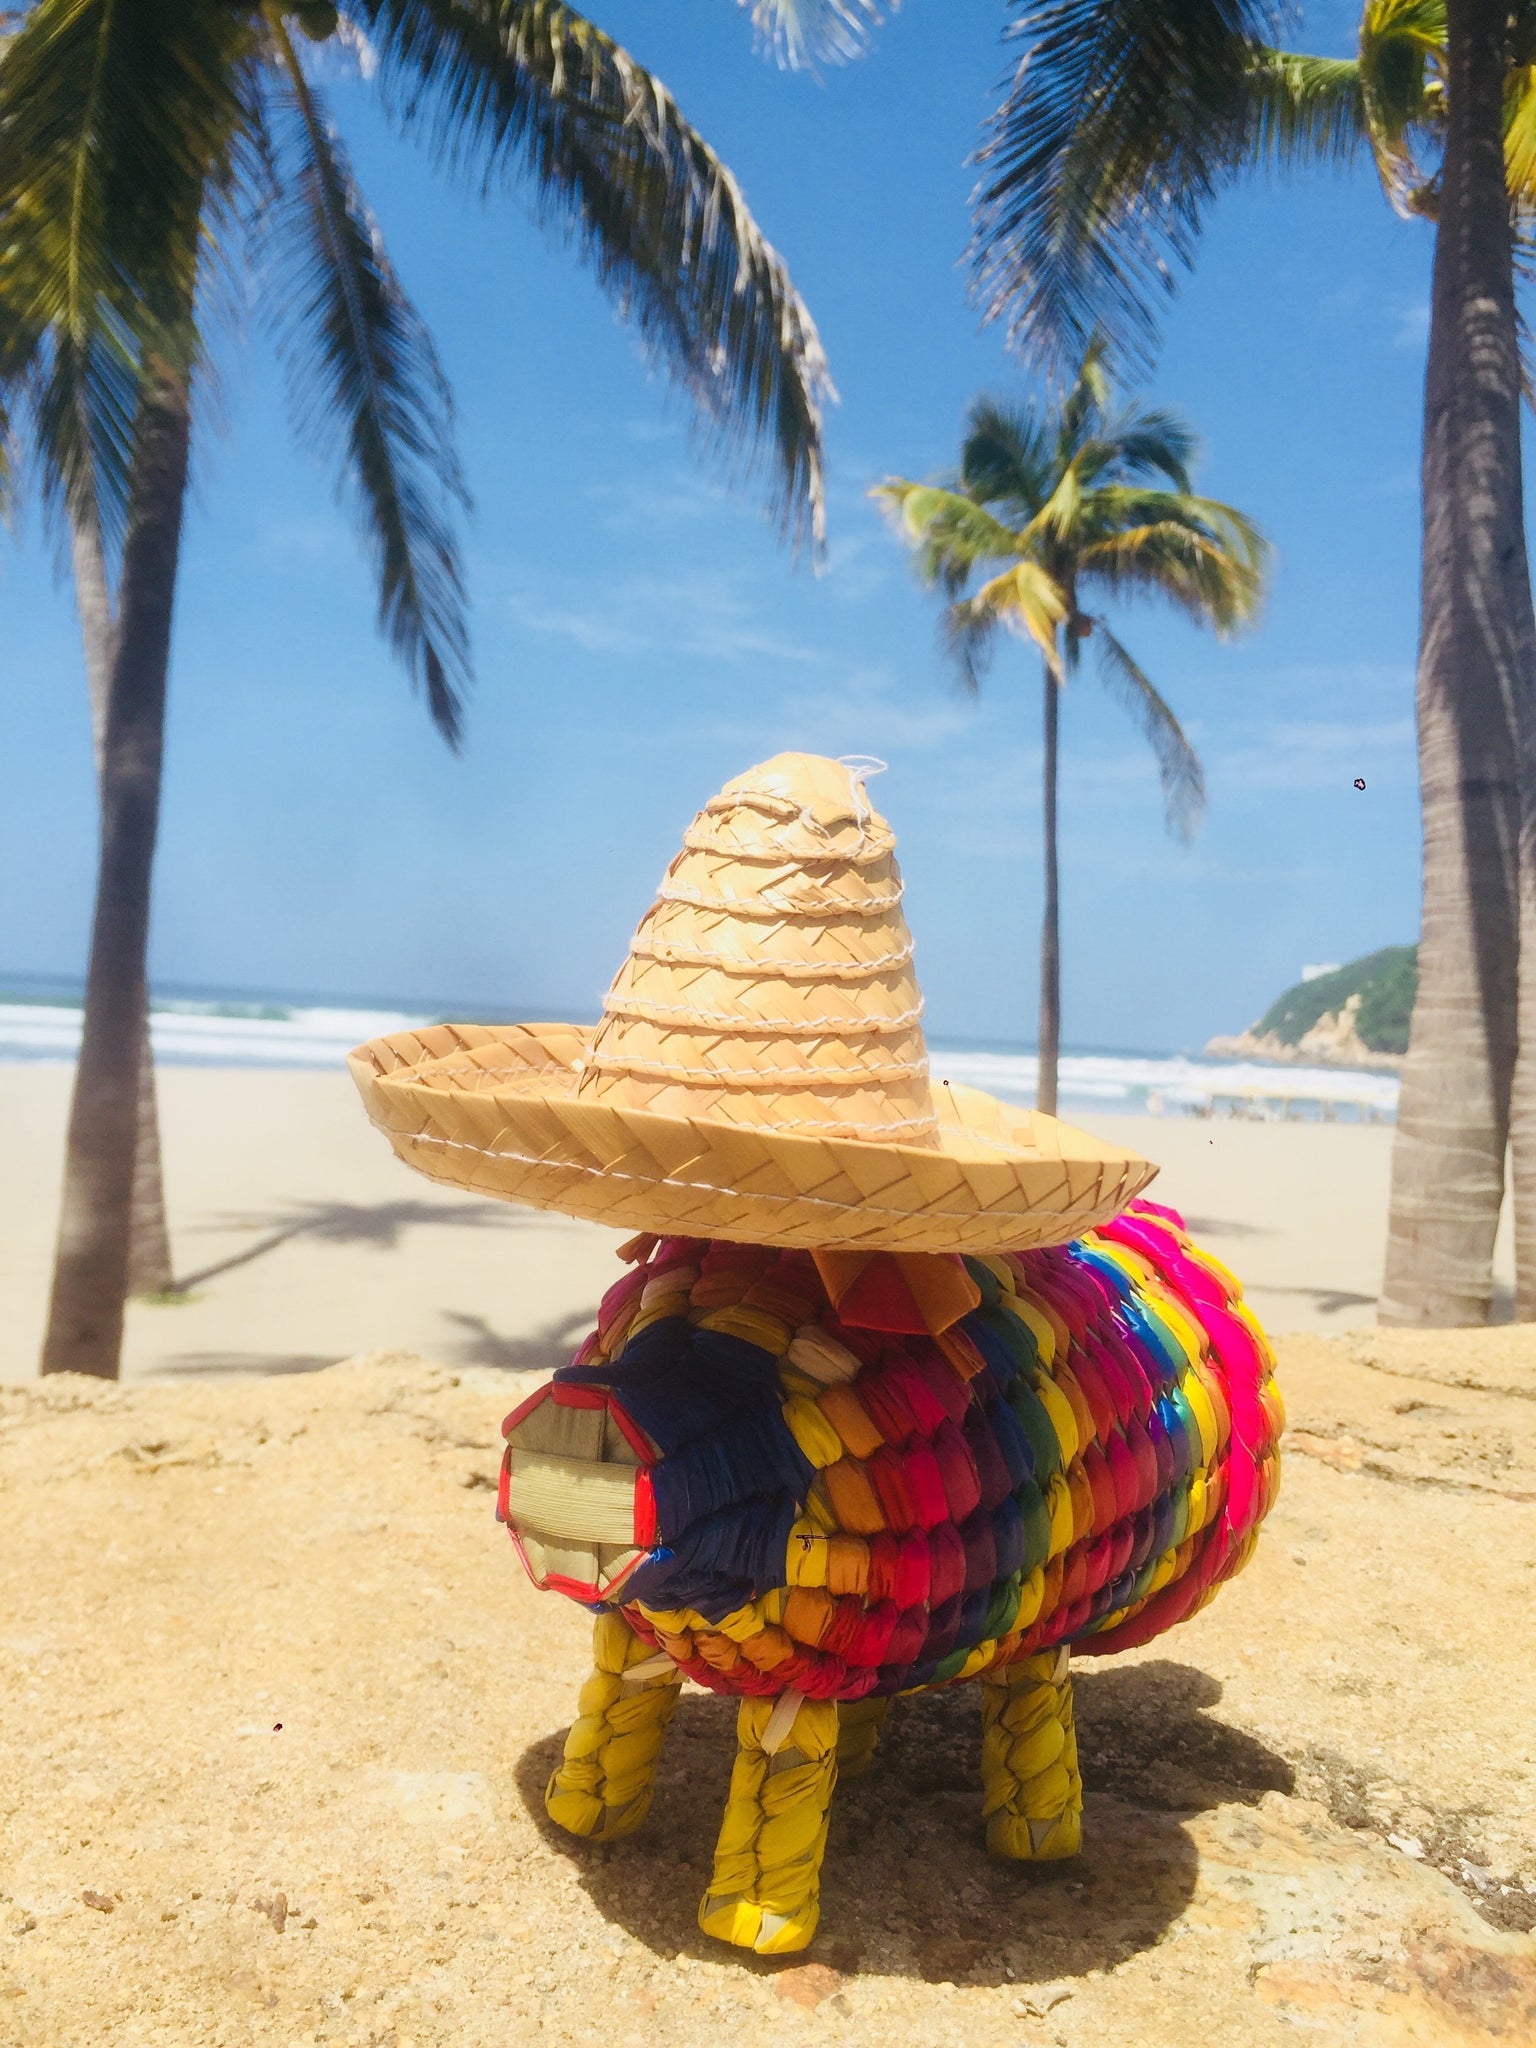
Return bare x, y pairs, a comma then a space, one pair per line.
816, 1481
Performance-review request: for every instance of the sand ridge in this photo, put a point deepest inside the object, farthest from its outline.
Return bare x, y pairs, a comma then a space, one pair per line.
277, 1707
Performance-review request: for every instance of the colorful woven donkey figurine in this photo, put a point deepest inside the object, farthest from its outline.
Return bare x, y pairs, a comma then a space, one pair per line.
903, 1387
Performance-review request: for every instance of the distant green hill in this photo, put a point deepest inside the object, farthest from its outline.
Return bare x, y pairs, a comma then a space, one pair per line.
1385, 983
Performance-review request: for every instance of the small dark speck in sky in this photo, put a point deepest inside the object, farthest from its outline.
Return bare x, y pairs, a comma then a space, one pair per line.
1359, 782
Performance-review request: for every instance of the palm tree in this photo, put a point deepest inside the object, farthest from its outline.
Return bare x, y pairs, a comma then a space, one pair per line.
1048, 507
145, 150
150, 1271
1124, 120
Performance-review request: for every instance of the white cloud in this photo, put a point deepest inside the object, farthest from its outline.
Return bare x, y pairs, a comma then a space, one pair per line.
860, 710
318, 541
1318, 754
701, 616
1412, 327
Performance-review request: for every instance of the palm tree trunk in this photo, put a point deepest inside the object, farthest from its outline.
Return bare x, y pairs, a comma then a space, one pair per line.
1477, 662
98, 621
149, 1242
1050, 917
85, 1324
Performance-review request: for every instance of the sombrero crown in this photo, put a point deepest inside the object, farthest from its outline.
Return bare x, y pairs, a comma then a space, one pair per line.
760, 1071
771, 981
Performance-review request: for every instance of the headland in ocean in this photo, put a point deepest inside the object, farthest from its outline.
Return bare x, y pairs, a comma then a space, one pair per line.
207, 1027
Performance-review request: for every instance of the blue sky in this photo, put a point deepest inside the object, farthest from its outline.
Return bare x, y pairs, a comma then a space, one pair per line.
640, 636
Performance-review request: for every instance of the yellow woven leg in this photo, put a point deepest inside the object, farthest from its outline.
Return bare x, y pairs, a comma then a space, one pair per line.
604, 1783
1033, 1796
859, 1723
765, 1891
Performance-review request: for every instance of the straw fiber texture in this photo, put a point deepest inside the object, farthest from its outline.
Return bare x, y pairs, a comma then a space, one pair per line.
842, 1501
849, 1476
760, 1070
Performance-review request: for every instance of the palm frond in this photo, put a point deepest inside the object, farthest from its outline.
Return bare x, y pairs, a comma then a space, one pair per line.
1025, 600
1151, 442
1178, 765
1087, 397
1059, 514
1302, 109
1123, 119
951, 536
82, 400
1198, 554
1520, 135
1006, 459
532, 87
968, 636
1401, 46
802, 33
368, 384
117, 124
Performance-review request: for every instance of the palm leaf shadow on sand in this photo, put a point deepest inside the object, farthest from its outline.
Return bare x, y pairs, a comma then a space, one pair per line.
352, 1223
907, 1887
1202, 1227
540, 1351
383, 1224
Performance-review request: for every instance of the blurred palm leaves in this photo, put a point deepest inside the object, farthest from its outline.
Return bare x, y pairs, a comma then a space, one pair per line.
1049, 507
151, 149
155, 152
1125, 118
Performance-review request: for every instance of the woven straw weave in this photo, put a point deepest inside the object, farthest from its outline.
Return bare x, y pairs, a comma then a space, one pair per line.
760, 1070
772, 982
1085, 1458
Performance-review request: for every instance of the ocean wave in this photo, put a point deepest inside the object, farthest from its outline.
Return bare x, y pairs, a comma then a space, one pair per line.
221, 1033
210, 1034
1176, 1084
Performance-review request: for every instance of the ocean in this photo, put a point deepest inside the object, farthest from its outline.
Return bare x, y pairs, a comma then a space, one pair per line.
42, 1023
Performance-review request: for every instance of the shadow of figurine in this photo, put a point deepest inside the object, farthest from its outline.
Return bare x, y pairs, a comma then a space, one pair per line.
910, 1890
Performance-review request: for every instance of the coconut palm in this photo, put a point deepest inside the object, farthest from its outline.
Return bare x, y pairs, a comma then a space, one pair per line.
1048, 509
1125, 118
148, 150
150, 1271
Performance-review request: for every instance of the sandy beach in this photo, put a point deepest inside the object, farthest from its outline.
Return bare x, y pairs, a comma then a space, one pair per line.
278, 1707
280, 1704
301, 1240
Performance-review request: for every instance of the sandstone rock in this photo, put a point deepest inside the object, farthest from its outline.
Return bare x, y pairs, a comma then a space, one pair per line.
807, 1984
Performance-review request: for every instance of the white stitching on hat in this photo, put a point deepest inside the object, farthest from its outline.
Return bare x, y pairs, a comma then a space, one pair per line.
761, 1077
740, 1024
764, 905
702, 1187
780, 970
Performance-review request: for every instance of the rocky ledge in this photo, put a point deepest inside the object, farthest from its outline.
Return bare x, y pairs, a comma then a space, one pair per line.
1333, 1041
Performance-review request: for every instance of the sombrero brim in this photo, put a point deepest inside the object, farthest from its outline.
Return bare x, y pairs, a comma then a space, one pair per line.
494, 1109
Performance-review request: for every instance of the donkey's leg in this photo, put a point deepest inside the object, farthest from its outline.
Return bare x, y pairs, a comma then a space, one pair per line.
604, 1783
859, 1723
1033, 1800
765, 1891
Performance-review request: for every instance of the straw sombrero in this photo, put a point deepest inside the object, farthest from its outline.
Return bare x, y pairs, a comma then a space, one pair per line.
760, 1072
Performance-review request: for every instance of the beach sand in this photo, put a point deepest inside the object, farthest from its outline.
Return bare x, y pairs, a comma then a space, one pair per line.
278, 1707
278, 1704
302, 1240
